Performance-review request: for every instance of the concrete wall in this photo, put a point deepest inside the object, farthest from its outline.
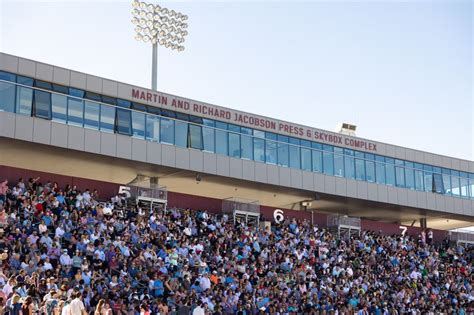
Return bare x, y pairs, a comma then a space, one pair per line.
116, 146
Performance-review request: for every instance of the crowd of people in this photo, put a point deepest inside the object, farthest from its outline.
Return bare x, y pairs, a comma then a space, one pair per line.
61, 253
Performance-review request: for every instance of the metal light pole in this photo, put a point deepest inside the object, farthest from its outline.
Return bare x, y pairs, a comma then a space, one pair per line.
159, 26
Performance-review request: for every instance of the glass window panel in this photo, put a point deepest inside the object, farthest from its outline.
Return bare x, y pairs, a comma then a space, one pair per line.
271, 136
471, 185
447, 184
349, 152
107, 118
43, 84
59, 108
306, 143
195, 119
271, 152
246, 131
369, 156
294, 141
295, 157
221, 125
138, 125
166, 130
360, 155
234, 145
455, 186
338, 164
246, 146
152, 131
7, 97
42, 104
124, 119
60, 89
93, 96
329, 148
283, 138
164, 112
27, 81
306, 159
209, 122
143, 108
123, 103
349, 167
221, 142
428, 168
390, 174
380, 173
283, 154
370, 171
360, 169
114, 101
234, 128
464, 187
259, 134
399, 162
208, 139
75, 112
181, 134
419, 180
195, 137
437, 170
428, 181
181, 116
24, 100
438, 186
328, 163
400, 176
91, 115
317, 157
259, 149
316, 145
76, 92
409, 177
7, 76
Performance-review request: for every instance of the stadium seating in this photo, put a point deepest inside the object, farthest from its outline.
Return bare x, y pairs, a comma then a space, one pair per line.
63, 251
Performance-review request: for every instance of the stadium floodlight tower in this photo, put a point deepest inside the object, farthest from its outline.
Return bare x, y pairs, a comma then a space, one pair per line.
161, 26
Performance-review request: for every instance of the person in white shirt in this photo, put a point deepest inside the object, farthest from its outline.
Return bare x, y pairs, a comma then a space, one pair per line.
199, 310
77, 307
65, 259
8, 288
204, 283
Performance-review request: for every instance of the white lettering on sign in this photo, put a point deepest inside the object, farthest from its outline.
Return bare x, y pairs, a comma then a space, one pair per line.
404, 229
278, 216
125, 190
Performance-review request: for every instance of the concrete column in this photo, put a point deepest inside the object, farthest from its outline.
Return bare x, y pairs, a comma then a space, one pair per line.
423, 223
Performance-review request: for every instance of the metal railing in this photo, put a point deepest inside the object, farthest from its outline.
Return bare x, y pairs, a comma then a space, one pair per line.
160, 193
230, 205
336, 221
461, 237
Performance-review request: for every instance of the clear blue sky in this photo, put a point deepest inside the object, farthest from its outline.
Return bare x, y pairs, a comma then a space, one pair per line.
400, 70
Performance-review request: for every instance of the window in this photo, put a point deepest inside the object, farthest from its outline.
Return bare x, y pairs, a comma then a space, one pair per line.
259, 149
221, 142
359, 169
234, 145
446, 181
181, 134
370, 171
380, 170
283, 150
138, 125
59, 108
152, 130
471, 185
42, 104
91, 115
409, 175
295, 154
349, 164
107, 118
338, 162
7, 97
75, 112
399, 173
419, 177
317, 157
24, 100
247, 147
438, 186
464, 184
271, 152
124, 122
328, 160
195, 137
428, 178
390, 171
166, 131
76, 92
306, 159
208, 139
7, 76
455, 183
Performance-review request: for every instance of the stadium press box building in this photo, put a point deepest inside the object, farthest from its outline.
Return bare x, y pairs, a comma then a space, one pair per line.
72, 126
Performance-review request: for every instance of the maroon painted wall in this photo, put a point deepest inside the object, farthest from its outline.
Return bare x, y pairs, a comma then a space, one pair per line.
213, 205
